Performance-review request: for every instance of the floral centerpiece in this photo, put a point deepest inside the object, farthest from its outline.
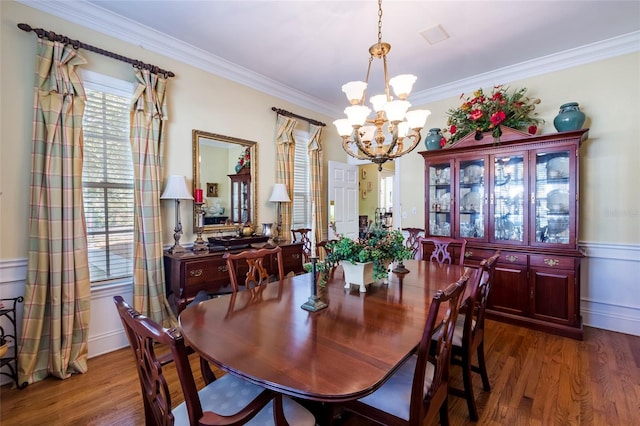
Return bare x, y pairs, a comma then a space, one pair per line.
244, 160
484, 113
380, 246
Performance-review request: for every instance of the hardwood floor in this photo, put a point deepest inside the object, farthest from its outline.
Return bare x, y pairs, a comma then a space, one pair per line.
536, 378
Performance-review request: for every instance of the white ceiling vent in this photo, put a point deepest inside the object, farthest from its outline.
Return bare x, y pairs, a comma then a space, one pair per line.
434, 34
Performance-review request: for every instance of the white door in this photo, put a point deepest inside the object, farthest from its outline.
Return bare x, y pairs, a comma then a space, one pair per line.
343, 199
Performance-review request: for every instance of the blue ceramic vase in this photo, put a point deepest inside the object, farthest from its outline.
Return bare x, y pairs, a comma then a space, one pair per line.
432, 140
569, 118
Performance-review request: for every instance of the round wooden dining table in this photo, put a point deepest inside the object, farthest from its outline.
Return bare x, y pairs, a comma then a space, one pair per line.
339, 353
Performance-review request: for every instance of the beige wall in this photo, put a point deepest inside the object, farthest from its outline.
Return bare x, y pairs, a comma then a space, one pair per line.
197, 100
608, 93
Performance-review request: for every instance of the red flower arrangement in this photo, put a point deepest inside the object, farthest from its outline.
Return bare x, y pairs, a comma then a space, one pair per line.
244, 160
482, 114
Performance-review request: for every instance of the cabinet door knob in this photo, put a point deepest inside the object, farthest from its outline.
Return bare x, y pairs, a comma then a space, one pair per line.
551, 262
195, 272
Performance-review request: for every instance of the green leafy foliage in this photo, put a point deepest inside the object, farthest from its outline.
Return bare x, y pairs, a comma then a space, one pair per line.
380, 246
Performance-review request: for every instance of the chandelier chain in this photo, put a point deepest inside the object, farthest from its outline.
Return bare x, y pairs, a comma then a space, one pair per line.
379, 21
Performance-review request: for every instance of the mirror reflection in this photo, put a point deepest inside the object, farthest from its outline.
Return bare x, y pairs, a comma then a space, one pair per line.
224, 167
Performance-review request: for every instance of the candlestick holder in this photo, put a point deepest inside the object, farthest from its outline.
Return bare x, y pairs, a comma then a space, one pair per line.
314, 303
199, 244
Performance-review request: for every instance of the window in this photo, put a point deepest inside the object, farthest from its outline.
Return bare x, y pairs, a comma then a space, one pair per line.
107, 178
301, 216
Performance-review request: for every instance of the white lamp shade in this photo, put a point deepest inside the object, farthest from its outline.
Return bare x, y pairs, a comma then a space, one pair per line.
176, 189
378, 102
402, 84
396, 110
354, 90
343, 127
357, 114
417, 118
403, 129
279, 193
367, 132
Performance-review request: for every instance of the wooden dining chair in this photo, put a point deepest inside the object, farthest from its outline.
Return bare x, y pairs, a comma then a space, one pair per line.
417, 390
303, 235
468, 337
443, 249
225, 401
412, 241
257, 272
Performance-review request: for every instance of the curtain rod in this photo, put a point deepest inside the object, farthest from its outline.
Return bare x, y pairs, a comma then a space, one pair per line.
50, 35
290, 114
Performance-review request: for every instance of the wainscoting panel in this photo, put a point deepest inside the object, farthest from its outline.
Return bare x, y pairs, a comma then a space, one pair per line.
610, 287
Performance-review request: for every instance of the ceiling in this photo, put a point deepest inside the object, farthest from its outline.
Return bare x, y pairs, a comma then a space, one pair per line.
308, 49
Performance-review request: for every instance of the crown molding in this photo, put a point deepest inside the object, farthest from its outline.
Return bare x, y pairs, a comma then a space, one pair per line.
617, 46
108, 23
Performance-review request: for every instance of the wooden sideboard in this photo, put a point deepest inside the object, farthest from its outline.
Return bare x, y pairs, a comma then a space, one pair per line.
189, 272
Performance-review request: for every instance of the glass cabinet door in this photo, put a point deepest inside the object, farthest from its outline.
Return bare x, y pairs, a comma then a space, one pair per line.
508, 198
244, 201
471, 199
554, 197
439, 206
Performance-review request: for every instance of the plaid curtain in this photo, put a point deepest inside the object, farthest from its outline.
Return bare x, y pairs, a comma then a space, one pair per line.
148, 114
285, 144
315, 174
55, 320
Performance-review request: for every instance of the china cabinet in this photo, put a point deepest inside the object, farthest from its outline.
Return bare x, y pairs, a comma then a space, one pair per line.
519, 196
241, 196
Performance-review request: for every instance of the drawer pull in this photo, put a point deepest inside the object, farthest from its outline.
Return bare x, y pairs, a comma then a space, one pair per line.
551, 262
468, 254
295, 256
223, 268
511, 258
195, 272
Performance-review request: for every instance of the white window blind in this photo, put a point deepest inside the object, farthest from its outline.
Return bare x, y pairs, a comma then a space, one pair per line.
301, 217
107, 181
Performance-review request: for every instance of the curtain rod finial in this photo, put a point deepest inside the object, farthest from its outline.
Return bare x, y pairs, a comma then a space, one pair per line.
25, 27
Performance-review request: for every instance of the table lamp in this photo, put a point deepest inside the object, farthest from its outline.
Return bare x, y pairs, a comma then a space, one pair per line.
279, 195
176, 189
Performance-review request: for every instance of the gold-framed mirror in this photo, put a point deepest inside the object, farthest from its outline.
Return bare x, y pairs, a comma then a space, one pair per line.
225, 168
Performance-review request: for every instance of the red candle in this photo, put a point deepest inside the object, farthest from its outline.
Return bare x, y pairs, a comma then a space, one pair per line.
198, 195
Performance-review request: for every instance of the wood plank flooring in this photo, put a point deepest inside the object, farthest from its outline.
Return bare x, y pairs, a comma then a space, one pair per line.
536, 378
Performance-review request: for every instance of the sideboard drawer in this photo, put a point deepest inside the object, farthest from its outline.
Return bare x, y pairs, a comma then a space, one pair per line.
513, 258
552, 261
291, 259
204, 271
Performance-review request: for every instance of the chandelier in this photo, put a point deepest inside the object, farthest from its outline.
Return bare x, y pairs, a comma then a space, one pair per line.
403, 125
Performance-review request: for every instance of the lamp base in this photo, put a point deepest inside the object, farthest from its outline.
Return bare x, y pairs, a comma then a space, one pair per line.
200, 246
400, 269
177, 248
314, 304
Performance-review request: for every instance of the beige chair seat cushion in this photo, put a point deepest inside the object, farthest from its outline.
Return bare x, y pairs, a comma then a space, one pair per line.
229, 394
394, 395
